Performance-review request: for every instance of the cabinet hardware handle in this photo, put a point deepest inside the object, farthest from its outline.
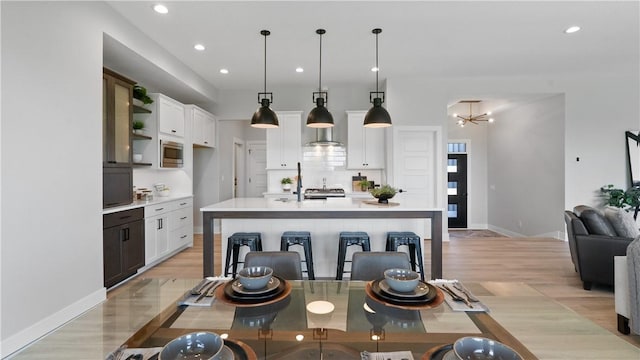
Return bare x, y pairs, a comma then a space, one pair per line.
173, 131
206, 142
159, 224
181, 204
112, 162
183, 236
160, 209
182, 218
125, 217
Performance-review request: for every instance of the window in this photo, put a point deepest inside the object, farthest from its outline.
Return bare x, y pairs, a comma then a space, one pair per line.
452, 210
454, 148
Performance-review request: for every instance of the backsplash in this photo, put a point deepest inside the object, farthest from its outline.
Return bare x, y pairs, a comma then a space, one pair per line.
312, 178
177, 180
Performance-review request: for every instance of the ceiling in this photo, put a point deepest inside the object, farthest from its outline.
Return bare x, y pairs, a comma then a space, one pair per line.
419, 38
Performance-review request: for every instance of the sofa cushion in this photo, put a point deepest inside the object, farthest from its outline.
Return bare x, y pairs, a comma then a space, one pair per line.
622, 222
595, 222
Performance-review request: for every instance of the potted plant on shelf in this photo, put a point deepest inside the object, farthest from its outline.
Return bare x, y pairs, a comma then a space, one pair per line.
286, 184
364, 185
140, 93
383, 193
138, 125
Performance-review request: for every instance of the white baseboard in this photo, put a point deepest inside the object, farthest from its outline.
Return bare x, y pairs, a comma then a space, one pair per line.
504, 232
23, 338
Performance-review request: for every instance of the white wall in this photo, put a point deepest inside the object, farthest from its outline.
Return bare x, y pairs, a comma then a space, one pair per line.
526, 169
51, 126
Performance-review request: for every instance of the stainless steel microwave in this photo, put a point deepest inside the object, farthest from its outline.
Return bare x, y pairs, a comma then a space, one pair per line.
171, 154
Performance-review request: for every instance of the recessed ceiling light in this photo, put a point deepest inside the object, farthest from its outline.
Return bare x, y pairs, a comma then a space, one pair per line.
572, 29
299, 70
199, 47
160, 9
224, 71
374, 69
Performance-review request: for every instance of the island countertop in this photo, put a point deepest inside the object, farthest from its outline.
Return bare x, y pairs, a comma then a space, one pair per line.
331, 204
259, 209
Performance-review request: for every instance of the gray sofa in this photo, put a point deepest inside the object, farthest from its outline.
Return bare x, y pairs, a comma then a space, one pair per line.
593, 242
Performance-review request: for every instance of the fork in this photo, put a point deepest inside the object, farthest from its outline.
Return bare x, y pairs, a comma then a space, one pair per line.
465, 292
456, 297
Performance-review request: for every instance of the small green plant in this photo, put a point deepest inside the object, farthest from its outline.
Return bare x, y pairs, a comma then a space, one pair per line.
627, 199
138, 125
286, 181
140, 93
383, 193
364, 185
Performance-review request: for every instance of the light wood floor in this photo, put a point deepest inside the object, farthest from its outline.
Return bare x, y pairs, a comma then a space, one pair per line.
544, 264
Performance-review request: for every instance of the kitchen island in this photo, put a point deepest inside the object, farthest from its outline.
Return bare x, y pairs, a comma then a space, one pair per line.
324, 219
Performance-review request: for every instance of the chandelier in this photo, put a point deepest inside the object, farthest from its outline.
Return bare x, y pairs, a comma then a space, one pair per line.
473, 119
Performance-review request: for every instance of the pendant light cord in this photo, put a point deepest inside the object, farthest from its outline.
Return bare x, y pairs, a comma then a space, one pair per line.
320, 74
265, 63
377, 67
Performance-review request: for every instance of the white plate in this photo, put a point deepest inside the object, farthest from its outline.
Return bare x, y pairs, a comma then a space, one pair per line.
320, 307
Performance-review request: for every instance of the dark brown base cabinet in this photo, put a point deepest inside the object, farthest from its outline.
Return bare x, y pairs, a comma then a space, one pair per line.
123, 245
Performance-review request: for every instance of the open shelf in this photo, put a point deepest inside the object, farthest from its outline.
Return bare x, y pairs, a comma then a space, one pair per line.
140, 110
141, 137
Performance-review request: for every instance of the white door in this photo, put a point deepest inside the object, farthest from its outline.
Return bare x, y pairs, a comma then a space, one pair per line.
256, 168
417, 163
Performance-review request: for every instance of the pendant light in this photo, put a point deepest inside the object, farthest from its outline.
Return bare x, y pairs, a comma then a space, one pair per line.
320, 117
377, 116
264, 117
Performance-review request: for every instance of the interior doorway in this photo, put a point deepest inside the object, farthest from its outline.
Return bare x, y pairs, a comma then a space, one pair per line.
256, 168
238, 189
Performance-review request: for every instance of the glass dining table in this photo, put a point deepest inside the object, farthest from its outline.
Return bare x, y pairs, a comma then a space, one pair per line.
285, 329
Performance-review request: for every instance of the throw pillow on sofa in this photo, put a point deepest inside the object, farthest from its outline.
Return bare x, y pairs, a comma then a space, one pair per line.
622, 222
595, 221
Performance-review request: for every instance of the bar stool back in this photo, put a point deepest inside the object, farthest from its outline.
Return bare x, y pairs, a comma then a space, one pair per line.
251, 239
302, 238
413, 241
350, 238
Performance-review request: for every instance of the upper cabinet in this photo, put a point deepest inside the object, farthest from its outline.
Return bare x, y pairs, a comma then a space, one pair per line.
170, 115
203, 125
365, 146
117, 112
284, 144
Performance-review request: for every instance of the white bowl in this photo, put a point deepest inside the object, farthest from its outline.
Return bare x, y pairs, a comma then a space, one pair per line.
163, 193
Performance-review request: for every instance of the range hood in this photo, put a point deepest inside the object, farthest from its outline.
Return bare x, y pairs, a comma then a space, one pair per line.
324, 153
324, 137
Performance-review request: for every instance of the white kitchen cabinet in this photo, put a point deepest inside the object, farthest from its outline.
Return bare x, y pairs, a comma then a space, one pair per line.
181, 224
284, 144
365, 146
170, 114
168, 228
203, 125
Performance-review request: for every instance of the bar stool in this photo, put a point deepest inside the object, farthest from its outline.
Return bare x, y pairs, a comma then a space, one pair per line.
410, 239
350, 238
302, 238
251, 239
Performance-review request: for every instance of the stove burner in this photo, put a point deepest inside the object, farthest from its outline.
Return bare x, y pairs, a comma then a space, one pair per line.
323, 193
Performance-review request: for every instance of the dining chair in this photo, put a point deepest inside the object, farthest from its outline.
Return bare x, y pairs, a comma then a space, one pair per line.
285, 264
370, 265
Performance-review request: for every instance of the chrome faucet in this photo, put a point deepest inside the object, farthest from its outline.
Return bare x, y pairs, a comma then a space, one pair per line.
324, 183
